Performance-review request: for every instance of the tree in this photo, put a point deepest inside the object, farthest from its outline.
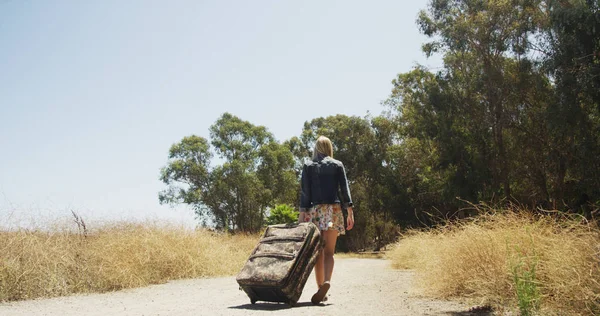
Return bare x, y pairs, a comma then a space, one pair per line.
572, 59
514, 111
188, 173
481, 40
256, 174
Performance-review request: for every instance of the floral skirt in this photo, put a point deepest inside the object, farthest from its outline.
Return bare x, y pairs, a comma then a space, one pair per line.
327, 216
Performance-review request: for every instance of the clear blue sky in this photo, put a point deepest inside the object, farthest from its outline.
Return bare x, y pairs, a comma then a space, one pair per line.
93, 93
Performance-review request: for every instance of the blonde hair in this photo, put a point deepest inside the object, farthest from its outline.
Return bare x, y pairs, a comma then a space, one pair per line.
323, 146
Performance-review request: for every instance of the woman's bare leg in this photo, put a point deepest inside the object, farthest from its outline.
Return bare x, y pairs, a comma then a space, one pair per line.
326, 255
320, 269
328, 252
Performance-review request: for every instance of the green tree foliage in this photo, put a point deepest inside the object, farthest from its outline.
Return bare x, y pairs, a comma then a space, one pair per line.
484, 80
513, 113
257, 173
282, 214
572, 60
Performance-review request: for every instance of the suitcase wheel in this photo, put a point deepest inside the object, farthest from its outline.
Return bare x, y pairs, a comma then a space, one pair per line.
253, 301
292, 303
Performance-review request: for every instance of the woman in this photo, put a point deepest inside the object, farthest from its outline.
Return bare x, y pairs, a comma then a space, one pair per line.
320, 204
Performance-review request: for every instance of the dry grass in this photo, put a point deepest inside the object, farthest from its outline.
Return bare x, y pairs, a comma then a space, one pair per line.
491, 257
116, 256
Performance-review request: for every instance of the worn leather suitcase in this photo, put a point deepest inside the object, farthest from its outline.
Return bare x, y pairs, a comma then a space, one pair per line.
281, 263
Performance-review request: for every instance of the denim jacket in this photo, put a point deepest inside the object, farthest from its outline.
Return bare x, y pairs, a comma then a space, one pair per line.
320, 181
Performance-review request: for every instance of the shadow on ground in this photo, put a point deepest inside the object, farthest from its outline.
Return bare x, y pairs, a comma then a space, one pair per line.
476, 311
271, 306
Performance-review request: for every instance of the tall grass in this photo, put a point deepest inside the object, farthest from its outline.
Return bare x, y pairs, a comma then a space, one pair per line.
116, 256
538, 264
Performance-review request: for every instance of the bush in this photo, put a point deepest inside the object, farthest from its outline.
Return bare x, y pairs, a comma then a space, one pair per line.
282, 214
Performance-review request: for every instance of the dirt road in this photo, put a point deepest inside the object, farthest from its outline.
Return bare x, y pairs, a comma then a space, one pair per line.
359, 287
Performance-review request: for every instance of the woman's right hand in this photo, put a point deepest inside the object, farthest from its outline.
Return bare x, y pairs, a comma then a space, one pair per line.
301, 217
350, 219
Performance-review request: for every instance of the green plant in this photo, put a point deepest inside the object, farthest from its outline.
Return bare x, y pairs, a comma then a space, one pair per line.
282, 214
526, 285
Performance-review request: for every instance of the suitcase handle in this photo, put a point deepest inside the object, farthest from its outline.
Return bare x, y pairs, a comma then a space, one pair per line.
281, 255
277, 238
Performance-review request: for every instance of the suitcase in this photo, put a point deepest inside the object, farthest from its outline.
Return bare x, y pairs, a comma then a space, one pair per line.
281, 263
